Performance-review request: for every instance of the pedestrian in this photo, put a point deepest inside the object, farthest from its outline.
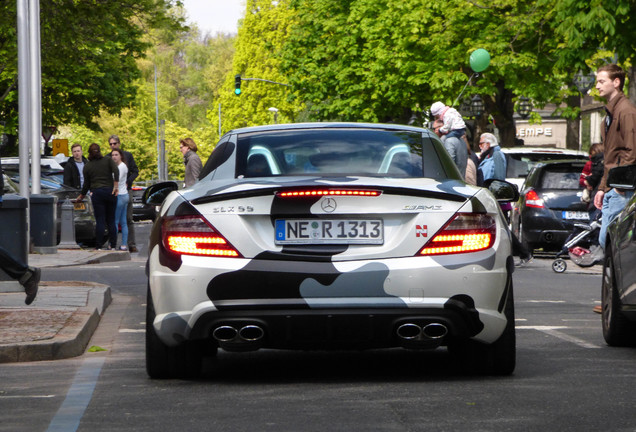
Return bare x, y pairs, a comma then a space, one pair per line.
455, 146
591, 177
453, 123
191, 160
122, 197
101, 177
74, 168
619, 142
619, 146
492, 162
492, 165
133, 173
473, 175
28, 277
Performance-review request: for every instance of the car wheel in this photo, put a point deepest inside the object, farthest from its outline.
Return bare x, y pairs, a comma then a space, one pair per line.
498, 358
162, 361
617, 329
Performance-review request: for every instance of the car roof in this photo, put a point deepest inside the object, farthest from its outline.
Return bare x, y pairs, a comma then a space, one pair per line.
543, 150
328, 125
47, 162
572, 162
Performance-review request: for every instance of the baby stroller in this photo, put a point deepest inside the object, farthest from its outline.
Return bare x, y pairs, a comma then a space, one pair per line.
581, 246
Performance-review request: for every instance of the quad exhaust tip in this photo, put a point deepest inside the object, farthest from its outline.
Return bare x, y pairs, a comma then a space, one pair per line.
412, 331
244, 334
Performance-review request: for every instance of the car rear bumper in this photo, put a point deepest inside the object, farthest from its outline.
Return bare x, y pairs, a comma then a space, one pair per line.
362, 305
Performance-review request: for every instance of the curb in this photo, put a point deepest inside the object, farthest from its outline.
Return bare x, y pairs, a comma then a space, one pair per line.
71, 340
107, 257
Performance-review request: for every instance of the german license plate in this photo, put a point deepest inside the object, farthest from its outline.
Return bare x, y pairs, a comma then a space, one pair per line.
79, 206
581, 215
329, 231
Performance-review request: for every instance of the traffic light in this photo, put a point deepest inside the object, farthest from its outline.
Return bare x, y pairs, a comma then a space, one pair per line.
237, 85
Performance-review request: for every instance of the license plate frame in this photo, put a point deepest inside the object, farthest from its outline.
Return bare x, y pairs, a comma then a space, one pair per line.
79, 206
575, 215
358, 231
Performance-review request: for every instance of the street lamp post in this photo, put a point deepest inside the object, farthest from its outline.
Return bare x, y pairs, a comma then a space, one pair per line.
524, 108
275, 111
477, 106
583, 82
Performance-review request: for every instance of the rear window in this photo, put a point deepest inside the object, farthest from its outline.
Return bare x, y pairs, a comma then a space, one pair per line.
336, 152
520, 164
560, 179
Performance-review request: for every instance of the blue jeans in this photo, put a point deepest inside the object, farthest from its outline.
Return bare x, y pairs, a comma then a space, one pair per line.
613, 204
120, 217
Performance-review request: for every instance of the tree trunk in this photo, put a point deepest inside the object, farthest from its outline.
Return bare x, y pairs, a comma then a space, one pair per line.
501, 108
572, 127
631, 90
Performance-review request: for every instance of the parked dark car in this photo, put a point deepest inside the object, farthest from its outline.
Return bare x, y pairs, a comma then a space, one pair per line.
83, 214
549, 205
618, 297
141, 211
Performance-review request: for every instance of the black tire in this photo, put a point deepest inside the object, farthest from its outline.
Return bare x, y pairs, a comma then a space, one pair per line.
559, 265
617, 329
162, 361
498, 358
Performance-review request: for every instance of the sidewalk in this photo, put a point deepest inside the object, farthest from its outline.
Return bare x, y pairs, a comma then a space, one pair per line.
64, 315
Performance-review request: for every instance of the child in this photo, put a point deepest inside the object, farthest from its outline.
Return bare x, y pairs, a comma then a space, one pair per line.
454, 125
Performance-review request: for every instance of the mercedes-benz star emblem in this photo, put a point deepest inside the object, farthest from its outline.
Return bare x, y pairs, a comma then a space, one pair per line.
328, 204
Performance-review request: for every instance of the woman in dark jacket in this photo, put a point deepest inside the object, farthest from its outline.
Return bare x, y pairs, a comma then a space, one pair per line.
101, 177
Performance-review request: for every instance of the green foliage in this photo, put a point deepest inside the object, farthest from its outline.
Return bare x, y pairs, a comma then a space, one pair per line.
89, 54
263, 32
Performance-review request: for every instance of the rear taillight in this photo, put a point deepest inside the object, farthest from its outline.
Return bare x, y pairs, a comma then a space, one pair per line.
533, 200
191, 235
467, 232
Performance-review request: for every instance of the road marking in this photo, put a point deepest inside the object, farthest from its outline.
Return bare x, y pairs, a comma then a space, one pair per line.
132, 330
543, 301
67, 418
27, 397
554, 331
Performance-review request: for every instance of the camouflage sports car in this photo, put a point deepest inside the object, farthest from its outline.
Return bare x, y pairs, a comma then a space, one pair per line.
329, 236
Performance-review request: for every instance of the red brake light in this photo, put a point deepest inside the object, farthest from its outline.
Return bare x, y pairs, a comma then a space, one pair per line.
137, 188
533, 200
296, 193
191, 235
467, 232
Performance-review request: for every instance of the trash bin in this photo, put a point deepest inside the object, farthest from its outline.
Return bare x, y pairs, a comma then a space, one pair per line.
44, 223
14, 238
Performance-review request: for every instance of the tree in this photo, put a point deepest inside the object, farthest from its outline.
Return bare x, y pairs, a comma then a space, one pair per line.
183, 62
261, 35
89, 56
378, 60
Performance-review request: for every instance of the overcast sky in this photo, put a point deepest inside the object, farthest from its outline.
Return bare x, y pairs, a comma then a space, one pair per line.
215, 15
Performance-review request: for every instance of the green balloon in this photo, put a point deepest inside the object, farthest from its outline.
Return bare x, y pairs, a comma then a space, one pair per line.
479, 60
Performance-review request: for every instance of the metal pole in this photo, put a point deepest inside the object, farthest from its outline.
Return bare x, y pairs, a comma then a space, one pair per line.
163, 176
35, 84
23, 95
159, 154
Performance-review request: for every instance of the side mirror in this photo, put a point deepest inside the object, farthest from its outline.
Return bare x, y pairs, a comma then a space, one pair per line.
622, 177
156, 193
502, 190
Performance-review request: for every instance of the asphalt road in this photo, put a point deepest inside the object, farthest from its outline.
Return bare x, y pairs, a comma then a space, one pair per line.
566, 379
